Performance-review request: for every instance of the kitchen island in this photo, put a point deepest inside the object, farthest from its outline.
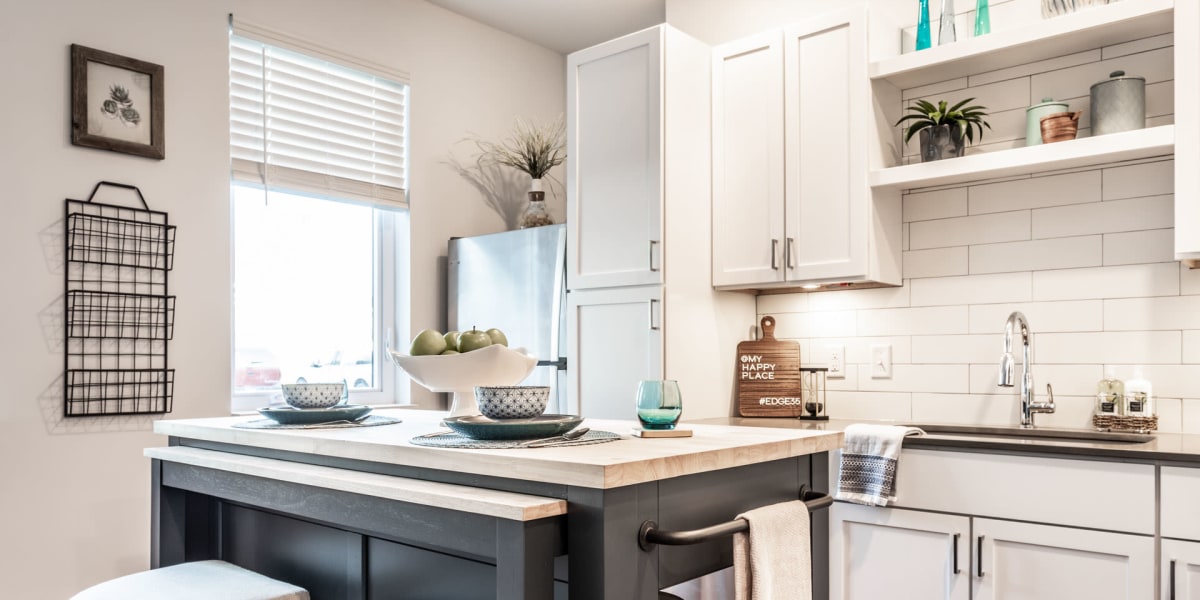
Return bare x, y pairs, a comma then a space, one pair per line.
363, 513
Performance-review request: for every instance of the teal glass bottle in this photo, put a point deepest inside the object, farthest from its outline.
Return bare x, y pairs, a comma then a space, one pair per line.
924, 39
983, 22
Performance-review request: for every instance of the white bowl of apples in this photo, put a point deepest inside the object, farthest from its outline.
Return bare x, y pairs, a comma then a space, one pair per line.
476, 358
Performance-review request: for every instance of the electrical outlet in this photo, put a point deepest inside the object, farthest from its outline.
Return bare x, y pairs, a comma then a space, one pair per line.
881, 361
836, 361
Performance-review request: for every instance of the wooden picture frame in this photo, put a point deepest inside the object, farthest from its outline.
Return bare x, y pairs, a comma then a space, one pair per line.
116, 103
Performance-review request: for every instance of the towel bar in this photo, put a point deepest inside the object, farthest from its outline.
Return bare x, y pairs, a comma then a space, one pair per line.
649, 534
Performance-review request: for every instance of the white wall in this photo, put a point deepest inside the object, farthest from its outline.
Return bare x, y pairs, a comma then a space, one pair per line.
1086, 255
74, 494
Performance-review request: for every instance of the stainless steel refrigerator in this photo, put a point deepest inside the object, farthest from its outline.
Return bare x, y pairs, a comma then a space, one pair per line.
515, 281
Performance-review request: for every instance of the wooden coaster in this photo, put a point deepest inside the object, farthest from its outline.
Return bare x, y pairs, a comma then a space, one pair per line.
661, 433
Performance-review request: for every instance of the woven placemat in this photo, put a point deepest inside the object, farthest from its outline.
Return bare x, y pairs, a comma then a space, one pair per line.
455, 440
370, 421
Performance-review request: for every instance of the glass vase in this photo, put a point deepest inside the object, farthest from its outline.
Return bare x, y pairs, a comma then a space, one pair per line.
923, 37
946, 25
535, 214
983, 22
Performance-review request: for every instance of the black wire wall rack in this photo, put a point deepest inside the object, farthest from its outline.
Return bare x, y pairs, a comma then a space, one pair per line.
118, 315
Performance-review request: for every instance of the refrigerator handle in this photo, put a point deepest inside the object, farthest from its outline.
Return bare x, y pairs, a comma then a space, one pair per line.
653, 327
652, 267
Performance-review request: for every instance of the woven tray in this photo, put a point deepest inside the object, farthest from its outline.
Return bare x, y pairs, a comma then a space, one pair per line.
1123, 423
454, 440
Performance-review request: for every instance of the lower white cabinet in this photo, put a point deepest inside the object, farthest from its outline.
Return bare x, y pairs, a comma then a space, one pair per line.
614, 339
1180, 570
911, 554
1043, 562
897, 554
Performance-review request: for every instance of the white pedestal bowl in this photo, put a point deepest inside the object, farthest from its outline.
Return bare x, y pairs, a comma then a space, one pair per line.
460, 373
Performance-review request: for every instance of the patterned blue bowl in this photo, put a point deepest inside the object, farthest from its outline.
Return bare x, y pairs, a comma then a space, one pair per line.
313, 395
512, 401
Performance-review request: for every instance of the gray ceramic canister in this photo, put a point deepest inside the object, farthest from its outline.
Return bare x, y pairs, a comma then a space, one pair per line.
1033, 119
1118, 104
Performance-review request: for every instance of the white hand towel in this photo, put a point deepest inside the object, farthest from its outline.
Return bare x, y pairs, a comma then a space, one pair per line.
870, 457
772, 560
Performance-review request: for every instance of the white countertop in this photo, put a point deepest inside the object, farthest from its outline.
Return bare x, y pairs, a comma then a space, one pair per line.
627, 461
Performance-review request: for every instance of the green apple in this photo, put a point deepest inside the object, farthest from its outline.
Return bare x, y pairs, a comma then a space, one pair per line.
497, 336
427, 342
451, 338
473, 340
449, 352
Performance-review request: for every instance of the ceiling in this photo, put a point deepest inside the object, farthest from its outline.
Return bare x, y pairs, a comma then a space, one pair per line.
562, 25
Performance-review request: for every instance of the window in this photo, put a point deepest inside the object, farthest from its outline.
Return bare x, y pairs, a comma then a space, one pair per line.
320, 222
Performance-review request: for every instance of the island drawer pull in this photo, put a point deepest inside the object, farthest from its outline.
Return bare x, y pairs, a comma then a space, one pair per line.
649, 534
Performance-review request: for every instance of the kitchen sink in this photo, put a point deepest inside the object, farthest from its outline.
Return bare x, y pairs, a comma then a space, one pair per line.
1037, 433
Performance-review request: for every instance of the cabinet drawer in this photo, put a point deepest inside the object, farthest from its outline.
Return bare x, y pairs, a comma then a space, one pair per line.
1079, 493
1180, 513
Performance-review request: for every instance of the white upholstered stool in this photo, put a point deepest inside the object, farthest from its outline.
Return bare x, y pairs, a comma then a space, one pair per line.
201, 580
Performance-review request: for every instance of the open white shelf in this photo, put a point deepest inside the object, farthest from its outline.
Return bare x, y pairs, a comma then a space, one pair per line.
1058, 36
1084, 152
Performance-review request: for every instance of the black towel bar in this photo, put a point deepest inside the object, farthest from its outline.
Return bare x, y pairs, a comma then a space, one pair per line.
649, 534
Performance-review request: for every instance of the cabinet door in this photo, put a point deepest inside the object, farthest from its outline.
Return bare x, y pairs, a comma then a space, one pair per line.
1187, 132
614, 162
897, 554
615, 340
1180, 570
826, 110
747, 129
1041, 562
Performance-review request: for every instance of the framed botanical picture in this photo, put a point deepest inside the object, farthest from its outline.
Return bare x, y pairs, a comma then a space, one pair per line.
116, 103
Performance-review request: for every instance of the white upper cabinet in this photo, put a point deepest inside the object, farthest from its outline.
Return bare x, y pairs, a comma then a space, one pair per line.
1187, 132
791, 153
615, 162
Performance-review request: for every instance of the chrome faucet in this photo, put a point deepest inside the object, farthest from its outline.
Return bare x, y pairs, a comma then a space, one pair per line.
1028, 406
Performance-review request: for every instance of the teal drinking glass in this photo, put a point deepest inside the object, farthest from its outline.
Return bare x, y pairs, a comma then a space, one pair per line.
659, 404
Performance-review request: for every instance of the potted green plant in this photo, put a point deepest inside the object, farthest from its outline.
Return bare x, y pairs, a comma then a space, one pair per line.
945, 130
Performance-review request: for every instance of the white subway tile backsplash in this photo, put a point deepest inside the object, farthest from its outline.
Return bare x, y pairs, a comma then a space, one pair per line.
1068, 380
972, 289
890, 297
1189, 280
1191, 416
913, 321
1150, 314
1137, 247
1025, 70
976, 229
1158, 279
936, 262
1169, 381
1134, 214
775, 304
1074, 315
1142, 45
1170, 414
1155, 66
1145, 347
965, 409
1058, 253
1160, 100
1071, 412
887, 406
937, 204
857, 349
917, 378
849, 383
1191, 349
1140, 180
954, 349
934, 89
840, 323
1035, 192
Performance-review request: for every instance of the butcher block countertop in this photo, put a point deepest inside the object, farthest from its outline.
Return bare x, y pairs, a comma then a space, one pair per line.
627, 461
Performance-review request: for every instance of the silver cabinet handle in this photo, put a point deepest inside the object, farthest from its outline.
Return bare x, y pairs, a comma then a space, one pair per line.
788, 251
652, 267
775, 254
653, 327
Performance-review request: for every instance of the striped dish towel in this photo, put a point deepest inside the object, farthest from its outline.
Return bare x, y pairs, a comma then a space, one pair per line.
869, 459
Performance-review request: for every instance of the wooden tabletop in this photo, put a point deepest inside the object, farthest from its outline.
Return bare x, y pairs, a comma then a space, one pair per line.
627, 461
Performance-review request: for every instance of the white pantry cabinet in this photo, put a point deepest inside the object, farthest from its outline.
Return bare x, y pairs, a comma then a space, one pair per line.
791, 154
639, 220
1187, 132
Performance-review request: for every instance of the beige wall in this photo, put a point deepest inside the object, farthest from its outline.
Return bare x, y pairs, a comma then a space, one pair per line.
74, 494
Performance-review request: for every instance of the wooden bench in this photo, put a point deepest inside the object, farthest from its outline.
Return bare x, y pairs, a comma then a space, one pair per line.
207, 491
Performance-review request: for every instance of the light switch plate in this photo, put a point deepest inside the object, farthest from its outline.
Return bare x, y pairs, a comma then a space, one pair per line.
835, 359
881, 361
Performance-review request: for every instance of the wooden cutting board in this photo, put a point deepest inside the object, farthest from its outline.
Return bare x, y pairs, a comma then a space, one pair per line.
768, 375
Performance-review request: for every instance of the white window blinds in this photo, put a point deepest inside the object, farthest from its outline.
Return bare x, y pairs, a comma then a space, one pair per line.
312, 126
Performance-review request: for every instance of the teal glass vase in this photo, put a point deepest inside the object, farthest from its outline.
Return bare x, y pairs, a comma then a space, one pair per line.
983, 22
924, 39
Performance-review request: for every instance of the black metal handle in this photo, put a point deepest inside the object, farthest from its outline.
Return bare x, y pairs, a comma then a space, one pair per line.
649, 534
120, 185
1172, 586
979, 557
956, 569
